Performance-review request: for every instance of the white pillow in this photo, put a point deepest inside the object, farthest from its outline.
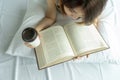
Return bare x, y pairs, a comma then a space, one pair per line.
35, 12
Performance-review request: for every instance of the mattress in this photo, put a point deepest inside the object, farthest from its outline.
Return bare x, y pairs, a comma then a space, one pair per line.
21, 68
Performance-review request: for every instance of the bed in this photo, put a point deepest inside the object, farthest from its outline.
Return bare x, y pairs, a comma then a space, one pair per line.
23, 66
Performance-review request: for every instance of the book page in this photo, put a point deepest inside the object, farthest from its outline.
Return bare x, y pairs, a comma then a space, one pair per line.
84, 39
40, 56
55, 44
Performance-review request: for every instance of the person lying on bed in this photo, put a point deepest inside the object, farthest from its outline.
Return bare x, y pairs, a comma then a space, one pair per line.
86, 11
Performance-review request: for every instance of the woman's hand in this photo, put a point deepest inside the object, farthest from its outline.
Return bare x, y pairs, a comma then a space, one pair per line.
28, 45
95, 22
80, 57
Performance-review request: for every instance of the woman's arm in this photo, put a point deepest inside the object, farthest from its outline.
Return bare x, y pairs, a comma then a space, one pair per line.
50, 16
48, 20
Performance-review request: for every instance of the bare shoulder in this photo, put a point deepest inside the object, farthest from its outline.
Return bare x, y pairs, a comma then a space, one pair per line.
51, 1
51, 9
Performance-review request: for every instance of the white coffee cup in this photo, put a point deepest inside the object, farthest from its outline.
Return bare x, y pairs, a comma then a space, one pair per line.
36, 42
30, 35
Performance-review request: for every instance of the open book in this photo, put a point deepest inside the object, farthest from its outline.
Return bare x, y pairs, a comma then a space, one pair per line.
63, 43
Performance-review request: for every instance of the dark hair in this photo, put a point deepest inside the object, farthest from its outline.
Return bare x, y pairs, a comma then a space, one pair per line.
91, 8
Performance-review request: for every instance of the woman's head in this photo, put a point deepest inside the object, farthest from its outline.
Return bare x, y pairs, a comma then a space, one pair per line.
86, 9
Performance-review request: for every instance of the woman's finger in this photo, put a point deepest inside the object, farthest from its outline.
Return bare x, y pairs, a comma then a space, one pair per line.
77, 58
28, 45
87, 55
80, 57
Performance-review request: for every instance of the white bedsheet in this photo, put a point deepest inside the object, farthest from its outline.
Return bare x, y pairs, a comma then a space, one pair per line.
16, 68
19, 68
